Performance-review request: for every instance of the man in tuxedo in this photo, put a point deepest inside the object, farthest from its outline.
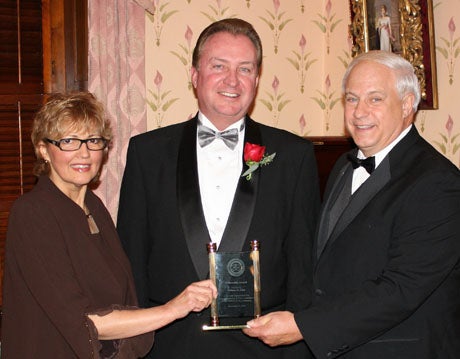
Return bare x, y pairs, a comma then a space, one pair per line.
387, 270
184, 187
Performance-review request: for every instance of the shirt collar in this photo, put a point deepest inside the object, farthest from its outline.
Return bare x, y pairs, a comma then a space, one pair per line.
379, 156
206, 122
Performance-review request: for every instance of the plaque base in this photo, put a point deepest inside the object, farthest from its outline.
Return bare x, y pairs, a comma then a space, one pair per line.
224, 327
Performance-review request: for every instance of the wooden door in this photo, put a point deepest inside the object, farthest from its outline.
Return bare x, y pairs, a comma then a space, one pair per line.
43, 49
21, 89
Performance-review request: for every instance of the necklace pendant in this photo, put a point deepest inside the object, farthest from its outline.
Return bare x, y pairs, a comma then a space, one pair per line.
92, 224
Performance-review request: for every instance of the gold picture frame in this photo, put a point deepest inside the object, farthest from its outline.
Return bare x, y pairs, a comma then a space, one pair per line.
413, 37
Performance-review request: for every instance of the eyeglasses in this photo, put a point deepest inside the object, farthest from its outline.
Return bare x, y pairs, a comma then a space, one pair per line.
74, 144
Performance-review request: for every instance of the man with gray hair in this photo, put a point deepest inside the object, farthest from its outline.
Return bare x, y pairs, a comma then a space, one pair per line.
387, 268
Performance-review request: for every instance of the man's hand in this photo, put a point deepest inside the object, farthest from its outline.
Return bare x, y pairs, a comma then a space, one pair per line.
274, 329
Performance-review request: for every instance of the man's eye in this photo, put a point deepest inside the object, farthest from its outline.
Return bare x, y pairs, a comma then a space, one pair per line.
375, 99
351, 99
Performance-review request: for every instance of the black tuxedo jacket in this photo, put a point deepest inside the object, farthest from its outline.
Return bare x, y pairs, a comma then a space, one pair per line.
163, 230
387, 279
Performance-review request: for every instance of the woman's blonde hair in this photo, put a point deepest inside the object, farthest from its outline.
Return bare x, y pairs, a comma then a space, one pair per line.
61, 113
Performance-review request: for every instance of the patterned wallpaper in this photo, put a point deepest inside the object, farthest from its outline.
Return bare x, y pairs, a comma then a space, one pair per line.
306, 50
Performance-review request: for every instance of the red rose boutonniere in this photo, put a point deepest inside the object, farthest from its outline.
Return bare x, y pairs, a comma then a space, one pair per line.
254, 156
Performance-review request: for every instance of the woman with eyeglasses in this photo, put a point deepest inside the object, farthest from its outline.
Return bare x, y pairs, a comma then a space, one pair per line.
68, 289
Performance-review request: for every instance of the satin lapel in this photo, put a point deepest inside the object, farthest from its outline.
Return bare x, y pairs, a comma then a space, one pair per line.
324, 218
244, 201
189, 201
362, 196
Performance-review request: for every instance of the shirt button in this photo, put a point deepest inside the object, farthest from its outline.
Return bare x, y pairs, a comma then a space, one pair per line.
319, 292
218, 187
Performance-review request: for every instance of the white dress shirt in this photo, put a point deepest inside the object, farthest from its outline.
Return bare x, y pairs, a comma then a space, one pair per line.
219, 170
360, 175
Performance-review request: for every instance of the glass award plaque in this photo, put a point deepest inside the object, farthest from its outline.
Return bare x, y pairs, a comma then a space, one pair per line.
237, 278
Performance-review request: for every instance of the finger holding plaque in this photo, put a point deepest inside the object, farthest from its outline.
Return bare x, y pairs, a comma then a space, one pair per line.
237, 278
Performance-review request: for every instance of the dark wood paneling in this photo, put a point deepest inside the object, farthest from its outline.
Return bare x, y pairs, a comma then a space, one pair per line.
21, 92
327, 150
43, 49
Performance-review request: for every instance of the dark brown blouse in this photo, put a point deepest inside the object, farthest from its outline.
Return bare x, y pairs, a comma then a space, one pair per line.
56, 272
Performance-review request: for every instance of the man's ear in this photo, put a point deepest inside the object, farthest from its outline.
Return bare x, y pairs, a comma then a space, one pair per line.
193, 76
407, 104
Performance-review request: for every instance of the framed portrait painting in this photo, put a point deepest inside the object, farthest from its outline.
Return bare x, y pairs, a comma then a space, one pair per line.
405, 27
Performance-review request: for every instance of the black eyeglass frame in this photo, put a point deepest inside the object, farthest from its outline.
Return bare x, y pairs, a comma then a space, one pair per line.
58, 143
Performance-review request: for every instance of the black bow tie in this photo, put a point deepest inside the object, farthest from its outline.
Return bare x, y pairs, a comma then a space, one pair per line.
207, 135
367, 163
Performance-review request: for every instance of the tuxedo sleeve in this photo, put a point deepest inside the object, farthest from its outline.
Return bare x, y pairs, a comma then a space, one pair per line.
424, 247
132, 221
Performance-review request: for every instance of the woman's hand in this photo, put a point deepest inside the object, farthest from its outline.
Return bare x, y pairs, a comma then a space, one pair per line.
196, 297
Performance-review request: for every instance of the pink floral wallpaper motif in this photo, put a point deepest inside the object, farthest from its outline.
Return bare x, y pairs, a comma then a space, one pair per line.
275, 102
450, 143
327, 99
160, 17
160, 102
327, 24
302, 62
217, 12
185, 54
450, 49
276, 21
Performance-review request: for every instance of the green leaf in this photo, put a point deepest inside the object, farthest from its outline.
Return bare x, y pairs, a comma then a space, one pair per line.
168, 104
167, 15
181, 58
166, 93
320, 25
155, 96
282, 104
309, 63
152, 105
294, 63
210, 18
267, 104
443, 52
269, 158
319, 102
270, 95
283, 24
446, 42
444, 137
455, 149
331, 106
251, 169
324, 18
457, 51
334, 25
183, 47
